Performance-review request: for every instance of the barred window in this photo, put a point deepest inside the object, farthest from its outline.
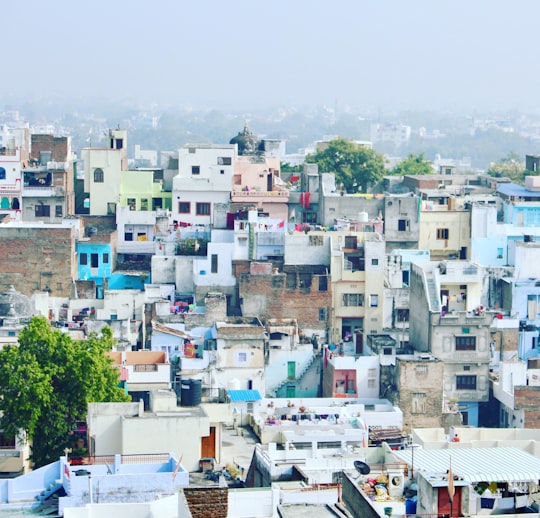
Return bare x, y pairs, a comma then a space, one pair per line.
353, 299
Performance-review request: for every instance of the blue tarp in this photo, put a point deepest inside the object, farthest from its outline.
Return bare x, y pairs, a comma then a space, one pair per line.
244, 395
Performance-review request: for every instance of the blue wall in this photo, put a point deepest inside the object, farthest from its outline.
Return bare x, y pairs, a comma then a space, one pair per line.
104, 259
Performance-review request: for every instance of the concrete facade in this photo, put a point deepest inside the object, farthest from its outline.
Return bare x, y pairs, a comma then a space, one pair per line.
102, 173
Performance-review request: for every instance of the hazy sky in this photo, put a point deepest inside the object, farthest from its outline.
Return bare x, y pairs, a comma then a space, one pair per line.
419, 54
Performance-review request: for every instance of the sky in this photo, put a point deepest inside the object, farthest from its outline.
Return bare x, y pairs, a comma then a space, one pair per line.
371, 54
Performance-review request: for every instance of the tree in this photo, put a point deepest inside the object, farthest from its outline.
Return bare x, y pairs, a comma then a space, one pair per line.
355, 166
46, 383
511, 166
413, 165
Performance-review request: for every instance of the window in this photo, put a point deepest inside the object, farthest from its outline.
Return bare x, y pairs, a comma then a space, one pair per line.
6, 442
418, 403
105, 258
128, 236
403, 225
322, 315
374, 262
465, 382
222, 171
465, 343
323, 283
371, 383
442, 233
402, 315
83, 259
242, 357
214, 265
373, 301
145, 367
353, 299
132, 203
43, 211
144, 203
350, 241
202, 209
98, 175
499, 253
224, 160
421, 369
195, 169
58, 211
2, 173
94, 260
184, 207
316, 241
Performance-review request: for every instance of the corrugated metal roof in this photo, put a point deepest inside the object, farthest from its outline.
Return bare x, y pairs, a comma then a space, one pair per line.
512, 189
476, 464
244, 395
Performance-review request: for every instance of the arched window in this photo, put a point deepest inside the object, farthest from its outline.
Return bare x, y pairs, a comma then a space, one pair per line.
15, 204
98, 175
5, 203
2, 173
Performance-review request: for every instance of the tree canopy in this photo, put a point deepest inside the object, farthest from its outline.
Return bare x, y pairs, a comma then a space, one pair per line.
511, 166
355, 166
413, 165
46, 383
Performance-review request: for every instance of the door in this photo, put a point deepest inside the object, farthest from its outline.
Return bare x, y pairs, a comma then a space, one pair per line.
291, 370
444, 507
208, 444
290, 391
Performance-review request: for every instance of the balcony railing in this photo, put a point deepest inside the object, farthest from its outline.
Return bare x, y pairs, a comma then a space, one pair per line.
258, 194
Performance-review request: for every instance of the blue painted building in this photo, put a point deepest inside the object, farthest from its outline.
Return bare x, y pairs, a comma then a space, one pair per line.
94, 261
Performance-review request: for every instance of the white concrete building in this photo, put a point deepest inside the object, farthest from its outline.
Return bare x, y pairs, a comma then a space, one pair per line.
202, 188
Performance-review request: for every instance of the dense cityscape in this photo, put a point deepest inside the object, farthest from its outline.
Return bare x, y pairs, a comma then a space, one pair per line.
343, 324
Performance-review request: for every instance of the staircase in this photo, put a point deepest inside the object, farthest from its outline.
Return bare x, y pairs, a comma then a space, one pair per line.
298, 377
48, 500
433, 294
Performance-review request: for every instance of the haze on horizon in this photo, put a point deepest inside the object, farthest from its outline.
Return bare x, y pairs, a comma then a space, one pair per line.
419, 54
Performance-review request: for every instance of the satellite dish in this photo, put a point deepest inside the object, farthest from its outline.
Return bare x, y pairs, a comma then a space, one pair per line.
361, 467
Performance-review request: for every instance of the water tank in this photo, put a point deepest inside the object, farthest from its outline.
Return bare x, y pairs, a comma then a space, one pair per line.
191, 392
363, 217
234, 384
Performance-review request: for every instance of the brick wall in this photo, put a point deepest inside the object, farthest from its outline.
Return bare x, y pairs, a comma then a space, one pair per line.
207, 502
527, 398
37, 259
58, 145
267, 296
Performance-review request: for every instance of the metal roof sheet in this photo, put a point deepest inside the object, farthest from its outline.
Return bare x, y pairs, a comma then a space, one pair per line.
512, 189
476, 464
244, 395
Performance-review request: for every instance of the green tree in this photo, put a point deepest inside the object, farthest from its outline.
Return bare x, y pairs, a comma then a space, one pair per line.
413, 165
354, 165
511, 166
46, 383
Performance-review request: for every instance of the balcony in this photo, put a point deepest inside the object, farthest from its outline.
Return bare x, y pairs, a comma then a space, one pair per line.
266, 196
40, 191
464, 318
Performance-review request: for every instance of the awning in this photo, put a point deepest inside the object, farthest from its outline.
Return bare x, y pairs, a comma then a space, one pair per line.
244, 395
476, 464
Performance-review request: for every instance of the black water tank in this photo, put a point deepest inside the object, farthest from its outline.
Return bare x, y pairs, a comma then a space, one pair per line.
191, 392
